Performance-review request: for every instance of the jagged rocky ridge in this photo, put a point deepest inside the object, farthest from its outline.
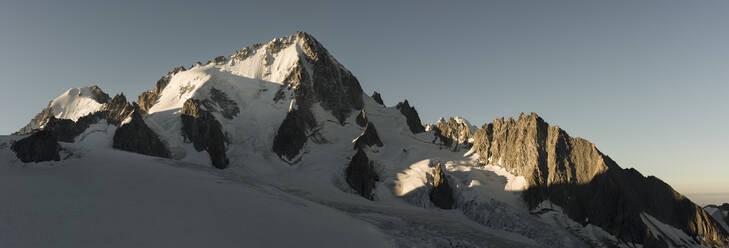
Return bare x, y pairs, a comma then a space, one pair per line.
588, 185
441, 195
204, 131
569, 172
413, 120
455, 134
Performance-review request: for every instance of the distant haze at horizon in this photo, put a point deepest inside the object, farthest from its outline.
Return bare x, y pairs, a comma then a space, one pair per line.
647, 81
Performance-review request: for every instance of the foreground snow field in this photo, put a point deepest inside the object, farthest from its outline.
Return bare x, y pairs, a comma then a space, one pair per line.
100, 197
118, 199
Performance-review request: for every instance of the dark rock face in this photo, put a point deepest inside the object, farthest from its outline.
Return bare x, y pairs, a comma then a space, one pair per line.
588, 185
38, 147
378, 98
147, 99
362, 118
361, 175
413, 120
290, 137
136, 136
337, 89
219, 60
118, 109
220, 102
67, 130
441, 195
201, 128
99, 95
368, 137
452, 134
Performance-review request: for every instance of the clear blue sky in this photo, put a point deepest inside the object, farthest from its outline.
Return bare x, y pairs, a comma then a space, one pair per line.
647, 81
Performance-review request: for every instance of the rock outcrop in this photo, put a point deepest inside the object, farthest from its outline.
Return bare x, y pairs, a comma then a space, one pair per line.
337, 89
368, 137
201, 128
38, 147
290, 137
588, 185
99, 95
455, 133
361, 175
411, 115
378, 98
441, 195
136, 136
361, 119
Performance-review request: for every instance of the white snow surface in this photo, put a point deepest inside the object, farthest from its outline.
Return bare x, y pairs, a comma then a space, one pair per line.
109, 198
74, 103
675, 237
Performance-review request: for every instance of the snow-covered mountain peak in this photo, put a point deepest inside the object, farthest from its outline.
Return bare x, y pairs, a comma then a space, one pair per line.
72, 104
78, 102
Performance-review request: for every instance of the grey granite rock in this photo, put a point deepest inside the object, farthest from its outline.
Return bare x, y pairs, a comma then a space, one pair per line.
452, 134
589, 186
135, 136
368, 138
361, 175
411, 115
378, 98
201, 128
290, 137
441, 195
38, 147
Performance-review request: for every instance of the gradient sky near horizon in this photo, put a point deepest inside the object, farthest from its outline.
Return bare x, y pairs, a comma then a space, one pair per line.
647, 81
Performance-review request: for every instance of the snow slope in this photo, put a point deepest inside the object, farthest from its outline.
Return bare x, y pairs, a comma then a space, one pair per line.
674, 236
109, 198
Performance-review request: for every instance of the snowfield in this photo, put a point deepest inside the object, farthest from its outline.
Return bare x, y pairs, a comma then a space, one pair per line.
111, 198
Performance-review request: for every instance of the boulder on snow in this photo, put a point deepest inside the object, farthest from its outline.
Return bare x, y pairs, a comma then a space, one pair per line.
413, 120
205, 132
441, 195
361, 175
38, 147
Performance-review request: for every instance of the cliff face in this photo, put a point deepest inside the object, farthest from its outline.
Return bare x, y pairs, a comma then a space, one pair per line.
454, 133
413, 119
589, 186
